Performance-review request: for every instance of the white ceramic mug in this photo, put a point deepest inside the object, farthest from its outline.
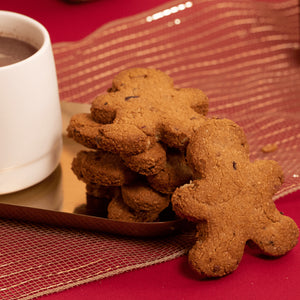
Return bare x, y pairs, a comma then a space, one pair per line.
30, 116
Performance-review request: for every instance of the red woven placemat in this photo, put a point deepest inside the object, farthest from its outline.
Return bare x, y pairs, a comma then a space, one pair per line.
243, 54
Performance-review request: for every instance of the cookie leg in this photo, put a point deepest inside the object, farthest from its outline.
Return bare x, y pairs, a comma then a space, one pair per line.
141, 197
212, 256
277, 238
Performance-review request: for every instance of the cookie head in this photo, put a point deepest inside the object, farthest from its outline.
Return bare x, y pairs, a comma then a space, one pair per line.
219, 144
231, 200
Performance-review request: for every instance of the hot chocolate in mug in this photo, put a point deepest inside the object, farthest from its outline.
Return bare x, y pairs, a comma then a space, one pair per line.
30, 116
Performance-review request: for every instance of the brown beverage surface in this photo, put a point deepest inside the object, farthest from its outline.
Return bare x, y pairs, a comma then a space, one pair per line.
13, 50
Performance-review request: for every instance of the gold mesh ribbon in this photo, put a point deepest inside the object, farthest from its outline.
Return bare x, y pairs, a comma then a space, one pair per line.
243, 54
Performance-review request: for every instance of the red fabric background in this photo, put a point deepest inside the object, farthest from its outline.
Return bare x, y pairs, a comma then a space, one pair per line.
256, 278
67, 21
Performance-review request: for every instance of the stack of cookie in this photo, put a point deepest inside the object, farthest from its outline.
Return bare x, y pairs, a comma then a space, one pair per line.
137, 135
152, 146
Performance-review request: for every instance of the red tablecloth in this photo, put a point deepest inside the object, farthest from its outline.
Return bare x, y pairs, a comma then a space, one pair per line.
256, 278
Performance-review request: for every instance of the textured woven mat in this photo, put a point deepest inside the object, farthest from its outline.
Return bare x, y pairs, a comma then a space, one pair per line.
243, 54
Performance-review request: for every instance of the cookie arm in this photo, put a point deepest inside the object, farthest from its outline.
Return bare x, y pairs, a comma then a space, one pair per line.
196, 99
83, 130
123, 138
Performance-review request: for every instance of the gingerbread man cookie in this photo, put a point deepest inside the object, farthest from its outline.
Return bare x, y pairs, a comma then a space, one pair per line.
231, 200
142, 108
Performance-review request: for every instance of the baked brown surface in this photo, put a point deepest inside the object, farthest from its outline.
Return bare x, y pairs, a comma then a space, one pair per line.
141, 197
231, 200
118, 210
175, 173
101, 168
86, 131
142, 108
150, 162
153, 142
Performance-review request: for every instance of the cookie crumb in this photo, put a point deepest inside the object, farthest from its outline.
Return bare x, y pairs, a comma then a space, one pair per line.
269, 148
